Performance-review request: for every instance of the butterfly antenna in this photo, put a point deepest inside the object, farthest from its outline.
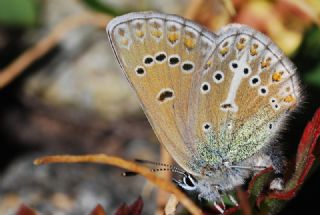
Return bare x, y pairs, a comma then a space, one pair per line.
169, 169
126, 174
152, 163
157, 164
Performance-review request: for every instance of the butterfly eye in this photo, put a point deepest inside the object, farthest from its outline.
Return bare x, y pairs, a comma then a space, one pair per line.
189, 183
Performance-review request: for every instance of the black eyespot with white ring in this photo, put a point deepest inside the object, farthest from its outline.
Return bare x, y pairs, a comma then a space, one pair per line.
148, 60
270, 126
140, 71
263, 91
275, 106
272, 100
187, 67
165, 95
173, 60
254, 81
234, 65
160, 57
205, 88
218, 77
206, 127
246, 71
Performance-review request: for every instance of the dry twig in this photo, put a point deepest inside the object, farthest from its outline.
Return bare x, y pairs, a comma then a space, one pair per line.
171, 205
229, 7
193, 9
162, 197
47, 43
130, 166
244, 202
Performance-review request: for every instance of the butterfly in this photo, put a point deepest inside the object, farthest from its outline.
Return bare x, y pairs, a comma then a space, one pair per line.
216, 101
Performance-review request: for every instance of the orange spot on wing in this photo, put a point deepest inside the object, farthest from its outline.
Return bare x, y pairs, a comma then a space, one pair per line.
240, 46
121, 32
266, 63
173, 37
289, 99
208, 64
223, 51
189, 42
276, 77
253, 49
156, 33
139, 33
125, 41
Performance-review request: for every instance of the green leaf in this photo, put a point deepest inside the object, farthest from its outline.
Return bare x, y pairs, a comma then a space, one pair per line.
313, 77
312, 43
18, 12
258, 184
97, 5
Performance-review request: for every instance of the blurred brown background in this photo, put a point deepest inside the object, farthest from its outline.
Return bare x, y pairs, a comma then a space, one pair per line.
69, 96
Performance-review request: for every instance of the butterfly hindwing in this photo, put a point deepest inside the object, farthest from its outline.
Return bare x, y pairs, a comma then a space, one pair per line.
249, 87
161, 56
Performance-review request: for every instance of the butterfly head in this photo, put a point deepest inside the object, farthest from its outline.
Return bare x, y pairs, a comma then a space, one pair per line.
206, 188
188, 182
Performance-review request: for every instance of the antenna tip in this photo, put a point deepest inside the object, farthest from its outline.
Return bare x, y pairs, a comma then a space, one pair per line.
129, 174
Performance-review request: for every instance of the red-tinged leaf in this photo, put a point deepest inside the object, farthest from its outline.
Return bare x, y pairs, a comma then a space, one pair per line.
25, 210
232, 210
134, 209
308, 152
98, 210
259, 181
258, 185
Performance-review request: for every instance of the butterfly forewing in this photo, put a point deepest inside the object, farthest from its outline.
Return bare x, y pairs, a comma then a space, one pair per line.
161, 55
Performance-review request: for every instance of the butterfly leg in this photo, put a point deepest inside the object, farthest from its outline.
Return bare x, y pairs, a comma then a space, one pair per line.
219, 192
277, 160
277, 184
233, 200
218, 207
